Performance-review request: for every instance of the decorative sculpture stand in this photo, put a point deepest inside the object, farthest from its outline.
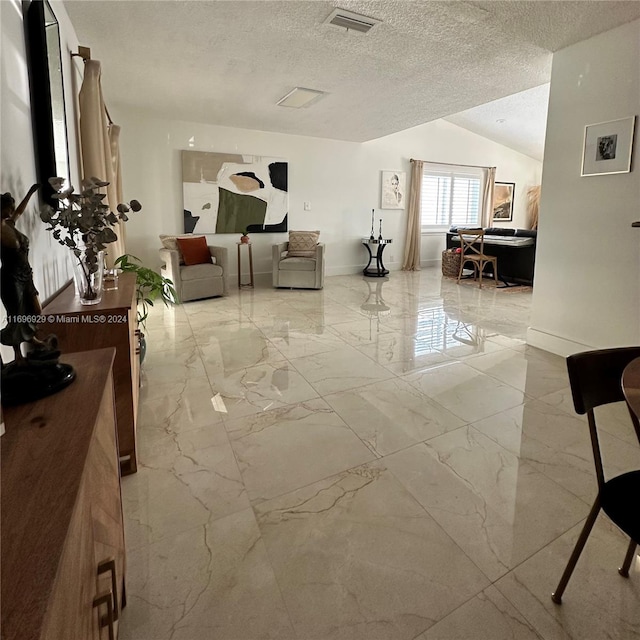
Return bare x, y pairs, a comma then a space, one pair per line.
38, 373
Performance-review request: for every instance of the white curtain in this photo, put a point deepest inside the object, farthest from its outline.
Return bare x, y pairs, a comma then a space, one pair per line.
412, 243
114, 144
487, 197
99, 147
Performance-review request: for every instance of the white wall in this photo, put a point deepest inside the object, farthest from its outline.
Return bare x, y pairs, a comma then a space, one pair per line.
587, 282
49, 261
17, 160
341, 180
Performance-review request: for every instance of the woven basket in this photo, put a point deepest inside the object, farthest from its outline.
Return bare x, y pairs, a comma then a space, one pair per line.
450, 264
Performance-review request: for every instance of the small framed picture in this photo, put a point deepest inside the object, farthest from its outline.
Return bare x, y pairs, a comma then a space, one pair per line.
503, 201
607, 147
393, 190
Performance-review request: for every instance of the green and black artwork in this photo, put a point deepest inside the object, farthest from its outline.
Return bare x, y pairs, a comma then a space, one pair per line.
231, 193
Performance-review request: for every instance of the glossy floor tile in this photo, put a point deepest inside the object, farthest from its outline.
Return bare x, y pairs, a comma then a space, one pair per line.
487, 616
485, 498
380, 460
357, 557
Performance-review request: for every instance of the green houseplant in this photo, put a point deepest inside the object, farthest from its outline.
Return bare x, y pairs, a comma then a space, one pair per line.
150, 286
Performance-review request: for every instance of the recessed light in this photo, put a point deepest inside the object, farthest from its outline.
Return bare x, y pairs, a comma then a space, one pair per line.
501, 120
300, 97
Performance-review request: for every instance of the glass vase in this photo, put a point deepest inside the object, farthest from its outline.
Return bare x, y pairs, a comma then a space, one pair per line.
88, 274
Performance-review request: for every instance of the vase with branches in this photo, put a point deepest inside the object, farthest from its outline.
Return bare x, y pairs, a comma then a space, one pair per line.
83, 223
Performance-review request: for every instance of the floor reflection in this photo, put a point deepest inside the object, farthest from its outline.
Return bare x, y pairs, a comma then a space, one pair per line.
374, 307
382, 459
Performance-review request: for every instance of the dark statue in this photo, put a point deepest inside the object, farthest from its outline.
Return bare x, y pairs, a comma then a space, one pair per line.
36, 373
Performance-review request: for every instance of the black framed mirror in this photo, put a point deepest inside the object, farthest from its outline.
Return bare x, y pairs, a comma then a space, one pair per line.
42, 34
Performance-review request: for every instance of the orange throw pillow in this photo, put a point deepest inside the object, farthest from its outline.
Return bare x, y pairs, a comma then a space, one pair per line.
194, 250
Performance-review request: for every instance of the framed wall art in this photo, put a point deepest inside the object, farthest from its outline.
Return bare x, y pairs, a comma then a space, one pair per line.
393, 190
234, 193
607, 147
503, 201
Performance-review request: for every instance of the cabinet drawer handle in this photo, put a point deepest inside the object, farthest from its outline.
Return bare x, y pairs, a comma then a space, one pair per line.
103, 567
106, 597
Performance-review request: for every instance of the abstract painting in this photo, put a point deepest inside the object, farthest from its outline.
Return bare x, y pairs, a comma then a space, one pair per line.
503, 201
234, 193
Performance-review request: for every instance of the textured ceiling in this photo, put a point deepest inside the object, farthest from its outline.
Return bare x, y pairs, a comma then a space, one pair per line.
518, 121
229, 62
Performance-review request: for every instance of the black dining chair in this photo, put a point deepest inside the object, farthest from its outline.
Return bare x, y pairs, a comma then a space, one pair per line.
596, 380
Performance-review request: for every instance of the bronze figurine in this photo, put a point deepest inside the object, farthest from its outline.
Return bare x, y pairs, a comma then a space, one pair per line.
37, 373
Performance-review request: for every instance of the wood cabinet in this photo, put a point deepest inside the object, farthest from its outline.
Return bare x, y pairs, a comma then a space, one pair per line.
62, 536
111, 323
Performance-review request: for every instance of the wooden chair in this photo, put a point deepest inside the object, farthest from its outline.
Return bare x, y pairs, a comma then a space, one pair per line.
596, 379
472, 244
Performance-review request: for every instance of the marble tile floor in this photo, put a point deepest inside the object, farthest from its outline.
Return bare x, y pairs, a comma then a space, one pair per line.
379, 460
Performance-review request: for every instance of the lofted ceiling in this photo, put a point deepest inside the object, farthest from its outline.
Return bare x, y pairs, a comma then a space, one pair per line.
228, 62
518, 121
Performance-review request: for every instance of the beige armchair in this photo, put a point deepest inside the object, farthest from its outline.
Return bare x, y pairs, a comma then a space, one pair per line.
198, 280
297, 273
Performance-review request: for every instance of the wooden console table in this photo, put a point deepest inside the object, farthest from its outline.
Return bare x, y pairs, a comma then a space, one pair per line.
62, 537
111, 323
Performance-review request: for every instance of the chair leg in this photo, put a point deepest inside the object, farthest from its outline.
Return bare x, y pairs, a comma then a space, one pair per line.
461, 267
626, 565
556, 596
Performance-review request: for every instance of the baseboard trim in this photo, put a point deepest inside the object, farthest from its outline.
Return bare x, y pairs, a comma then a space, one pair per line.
555, 344
346, 270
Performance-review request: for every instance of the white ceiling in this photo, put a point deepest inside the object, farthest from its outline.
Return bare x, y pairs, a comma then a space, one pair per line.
518, 121
229, 62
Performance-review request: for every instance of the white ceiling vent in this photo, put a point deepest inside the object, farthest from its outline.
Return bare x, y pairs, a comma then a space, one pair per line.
351, 21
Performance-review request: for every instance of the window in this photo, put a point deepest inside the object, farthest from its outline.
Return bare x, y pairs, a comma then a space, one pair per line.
450, 196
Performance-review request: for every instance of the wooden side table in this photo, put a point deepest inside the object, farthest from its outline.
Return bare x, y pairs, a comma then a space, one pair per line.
245, 285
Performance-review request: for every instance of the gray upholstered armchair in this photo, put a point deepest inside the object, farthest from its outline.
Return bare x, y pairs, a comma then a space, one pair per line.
198, 280
298, 273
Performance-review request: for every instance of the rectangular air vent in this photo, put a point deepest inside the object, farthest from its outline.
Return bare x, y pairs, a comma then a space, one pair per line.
351, 21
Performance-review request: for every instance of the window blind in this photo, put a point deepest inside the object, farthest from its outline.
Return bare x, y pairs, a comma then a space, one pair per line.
450, 196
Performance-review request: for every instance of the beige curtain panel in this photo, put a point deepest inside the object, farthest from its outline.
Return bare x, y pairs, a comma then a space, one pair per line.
114, 144
99, 147
533, 206
412, 243
486, 219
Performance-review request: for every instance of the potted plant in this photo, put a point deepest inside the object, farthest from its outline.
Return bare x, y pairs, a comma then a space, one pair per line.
150, 286
84, 224
244, 238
